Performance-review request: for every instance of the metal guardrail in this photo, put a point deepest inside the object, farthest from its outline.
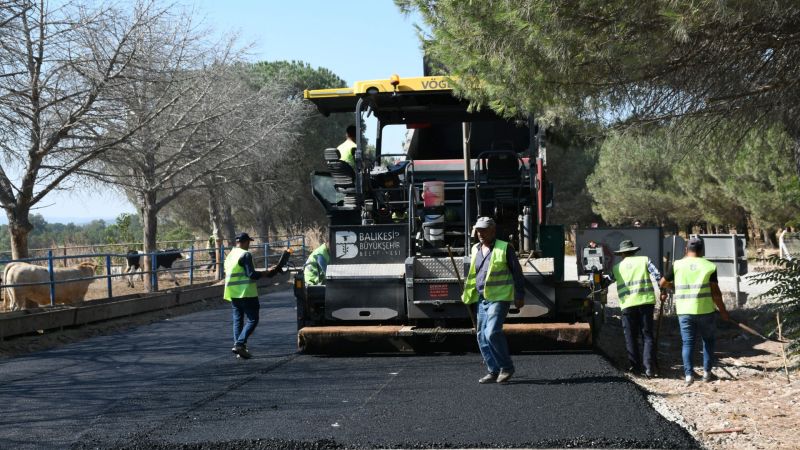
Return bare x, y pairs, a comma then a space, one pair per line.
263, 254
102, 249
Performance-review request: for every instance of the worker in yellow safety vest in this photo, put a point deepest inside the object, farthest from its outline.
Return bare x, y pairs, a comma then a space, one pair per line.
316, 265
241, 290
634, 277
494, 281
348, 147
697, 300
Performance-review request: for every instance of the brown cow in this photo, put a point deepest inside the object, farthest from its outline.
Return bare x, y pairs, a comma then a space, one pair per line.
33, 295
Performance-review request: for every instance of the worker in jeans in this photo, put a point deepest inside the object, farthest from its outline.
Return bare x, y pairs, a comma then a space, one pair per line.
494, 281
634, 276
241, 290
697, 299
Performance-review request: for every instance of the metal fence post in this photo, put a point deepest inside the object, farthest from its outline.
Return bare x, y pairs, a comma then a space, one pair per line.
266, 255
221, 262
52, 277
736, 270
303, 248
191, 264
153, 272
108, 274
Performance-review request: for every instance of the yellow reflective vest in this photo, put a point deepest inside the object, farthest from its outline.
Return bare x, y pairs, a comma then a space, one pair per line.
237, 283
313, 271
692, 286
634, 285
499, 285
347, 152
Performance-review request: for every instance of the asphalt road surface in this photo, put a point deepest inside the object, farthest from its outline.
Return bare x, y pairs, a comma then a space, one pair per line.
175, 385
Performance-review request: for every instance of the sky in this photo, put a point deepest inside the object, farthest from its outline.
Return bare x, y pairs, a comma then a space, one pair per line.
356, 39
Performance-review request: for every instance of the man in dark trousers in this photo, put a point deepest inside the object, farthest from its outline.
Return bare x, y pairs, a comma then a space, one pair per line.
637, 299
697, 300
241, 290
494, 281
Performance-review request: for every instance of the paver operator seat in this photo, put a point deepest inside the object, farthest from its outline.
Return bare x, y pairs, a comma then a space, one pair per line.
343, 177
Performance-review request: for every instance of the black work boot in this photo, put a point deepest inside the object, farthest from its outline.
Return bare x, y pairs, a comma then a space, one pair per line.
241, 351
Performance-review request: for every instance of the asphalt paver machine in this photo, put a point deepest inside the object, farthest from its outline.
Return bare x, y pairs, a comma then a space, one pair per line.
400, 231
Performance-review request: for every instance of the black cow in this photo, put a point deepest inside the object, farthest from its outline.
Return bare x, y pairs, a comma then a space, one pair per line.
164, 258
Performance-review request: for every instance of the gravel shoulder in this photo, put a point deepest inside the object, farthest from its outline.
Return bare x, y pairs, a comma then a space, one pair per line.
751, 395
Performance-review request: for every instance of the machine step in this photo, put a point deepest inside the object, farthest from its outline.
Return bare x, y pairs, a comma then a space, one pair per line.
418, 331
405, 338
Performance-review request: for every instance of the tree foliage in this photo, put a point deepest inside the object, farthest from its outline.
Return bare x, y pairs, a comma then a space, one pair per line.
634, 179
662, 177
785, 290
644, 61
786, 278
272, 194
304, 155
571, 156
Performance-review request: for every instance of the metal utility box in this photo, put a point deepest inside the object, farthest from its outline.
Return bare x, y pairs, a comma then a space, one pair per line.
720, 248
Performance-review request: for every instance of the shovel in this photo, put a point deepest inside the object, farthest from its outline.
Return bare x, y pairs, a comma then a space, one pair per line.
754, 332
461, 286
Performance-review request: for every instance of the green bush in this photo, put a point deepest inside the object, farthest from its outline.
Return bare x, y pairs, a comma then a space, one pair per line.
785, 293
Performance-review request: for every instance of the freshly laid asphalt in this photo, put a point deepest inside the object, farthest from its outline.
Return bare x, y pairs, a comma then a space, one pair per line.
174, 384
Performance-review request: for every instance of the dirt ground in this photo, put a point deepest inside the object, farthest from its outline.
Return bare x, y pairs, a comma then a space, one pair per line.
119, 285
752, 393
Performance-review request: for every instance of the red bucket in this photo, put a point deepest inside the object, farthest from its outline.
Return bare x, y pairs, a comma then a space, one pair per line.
433, 194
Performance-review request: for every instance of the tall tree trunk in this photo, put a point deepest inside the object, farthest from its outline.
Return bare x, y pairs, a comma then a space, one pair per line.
262, 222
149, 214
228, 224
752, 228
18, 228
216, 227
770, 240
